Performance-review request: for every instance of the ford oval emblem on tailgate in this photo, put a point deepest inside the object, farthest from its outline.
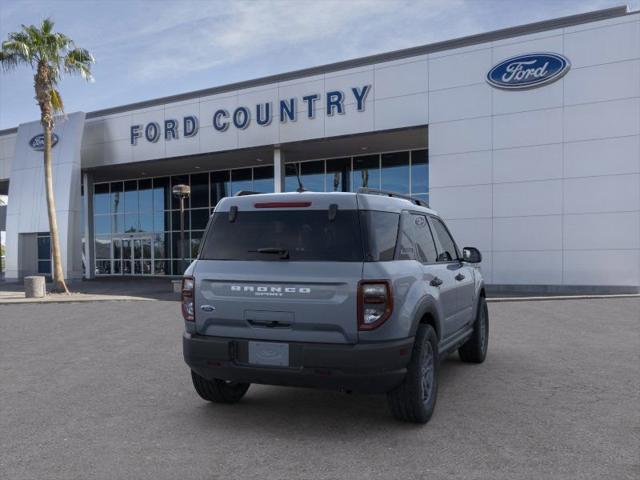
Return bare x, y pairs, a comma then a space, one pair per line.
207, 308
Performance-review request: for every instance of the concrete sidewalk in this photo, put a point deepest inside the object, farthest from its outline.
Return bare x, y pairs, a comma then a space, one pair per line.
104, 289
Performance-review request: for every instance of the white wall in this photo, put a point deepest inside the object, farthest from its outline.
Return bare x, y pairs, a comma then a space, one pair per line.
7, 151
546, 182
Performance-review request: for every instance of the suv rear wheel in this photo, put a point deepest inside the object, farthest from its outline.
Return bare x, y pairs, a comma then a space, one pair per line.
415, 398
218, 391
474, 350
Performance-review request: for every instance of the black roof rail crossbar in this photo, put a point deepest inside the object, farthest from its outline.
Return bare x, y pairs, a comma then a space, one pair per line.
242, 193
385, 193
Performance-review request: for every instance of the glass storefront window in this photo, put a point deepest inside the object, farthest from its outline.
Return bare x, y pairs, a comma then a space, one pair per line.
219, 186
199, 218
263, 179
144, 210
117, 199
419, 171
291, 171
145, 195
313, 175
241, 179
161, 194
338, 175
101, 199
131, 203
395, 172
200, 190
175, 220
366, 172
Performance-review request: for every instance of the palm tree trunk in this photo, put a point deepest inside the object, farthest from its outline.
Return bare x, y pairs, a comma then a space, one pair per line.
59, 284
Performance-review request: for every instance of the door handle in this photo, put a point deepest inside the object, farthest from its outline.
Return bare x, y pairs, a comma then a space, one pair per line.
436, 282
459, 277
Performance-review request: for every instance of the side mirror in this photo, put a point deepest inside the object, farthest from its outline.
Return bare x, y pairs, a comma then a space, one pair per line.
471, 255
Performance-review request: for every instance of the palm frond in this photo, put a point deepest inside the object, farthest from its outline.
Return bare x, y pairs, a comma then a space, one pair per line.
56, 101
79, 61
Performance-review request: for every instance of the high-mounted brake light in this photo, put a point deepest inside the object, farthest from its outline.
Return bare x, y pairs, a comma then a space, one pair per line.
282, 204
375, 303
188, 310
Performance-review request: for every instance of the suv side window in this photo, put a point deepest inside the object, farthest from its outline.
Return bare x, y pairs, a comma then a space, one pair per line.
415, 241
425, 246
447, 250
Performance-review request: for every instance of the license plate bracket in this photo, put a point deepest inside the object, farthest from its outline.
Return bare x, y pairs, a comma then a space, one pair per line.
269, 354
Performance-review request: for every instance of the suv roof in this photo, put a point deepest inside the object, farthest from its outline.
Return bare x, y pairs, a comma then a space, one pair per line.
365, 200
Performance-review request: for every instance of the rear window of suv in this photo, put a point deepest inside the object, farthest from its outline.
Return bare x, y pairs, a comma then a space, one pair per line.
302, 235
293, 235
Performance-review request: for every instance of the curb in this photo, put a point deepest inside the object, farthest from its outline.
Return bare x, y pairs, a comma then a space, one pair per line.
45, 300
560, 297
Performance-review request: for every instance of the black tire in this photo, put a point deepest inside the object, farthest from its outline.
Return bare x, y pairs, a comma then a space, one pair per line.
415, 398
219, 391
474, 350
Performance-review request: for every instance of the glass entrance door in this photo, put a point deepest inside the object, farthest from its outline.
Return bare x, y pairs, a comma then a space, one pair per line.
133, 256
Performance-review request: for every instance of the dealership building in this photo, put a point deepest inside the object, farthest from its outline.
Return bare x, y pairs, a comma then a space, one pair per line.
526, 140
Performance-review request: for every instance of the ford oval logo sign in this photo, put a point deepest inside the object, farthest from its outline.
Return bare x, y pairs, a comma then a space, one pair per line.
528, 71
37, 142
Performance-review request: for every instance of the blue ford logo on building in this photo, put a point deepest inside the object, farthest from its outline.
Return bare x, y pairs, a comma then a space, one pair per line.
528, 71
37, 142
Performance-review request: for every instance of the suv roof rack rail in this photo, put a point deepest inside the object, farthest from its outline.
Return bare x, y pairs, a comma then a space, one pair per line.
385, 193
242, 193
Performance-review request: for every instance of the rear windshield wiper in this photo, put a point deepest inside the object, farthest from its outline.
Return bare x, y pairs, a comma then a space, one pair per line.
283, 252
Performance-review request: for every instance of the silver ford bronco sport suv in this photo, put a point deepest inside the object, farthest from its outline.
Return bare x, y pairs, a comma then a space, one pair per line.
362, 292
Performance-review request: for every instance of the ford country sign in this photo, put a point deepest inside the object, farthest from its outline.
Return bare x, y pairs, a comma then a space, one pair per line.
37, 142
528, 71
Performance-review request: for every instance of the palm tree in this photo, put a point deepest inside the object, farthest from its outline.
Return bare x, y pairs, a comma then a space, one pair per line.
50, 55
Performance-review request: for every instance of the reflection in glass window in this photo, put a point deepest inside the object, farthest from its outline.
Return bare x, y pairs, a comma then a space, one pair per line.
196, 239
161, 194
366, 172
102, 224
131, 222
291, 172
117, 223
219, 186
146, 222
160, 245
160, 221
395, 172
103, 247
241, 180
44, 267
338, 175
117, 198
313, 176
175, 220
199, 218
145, 195
419, 171
200, 190
263, 179
101, 198
131, 204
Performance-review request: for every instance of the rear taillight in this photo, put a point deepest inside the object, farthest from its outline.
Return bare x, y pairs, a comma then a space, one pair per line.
375, 303
187, 299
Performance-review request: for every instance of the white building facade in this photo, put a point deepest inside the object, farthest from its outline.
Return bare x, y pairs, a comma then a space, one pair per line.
526, 140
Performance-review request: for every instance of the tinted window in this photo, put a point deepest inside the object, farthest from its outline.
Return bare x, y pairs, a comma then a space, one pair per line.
447, 251
425, 246
381, 232
306, 235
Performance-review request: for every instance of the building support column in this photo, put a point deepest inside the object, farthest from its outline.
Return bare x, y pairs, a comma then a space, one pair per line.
278, 170
87, 221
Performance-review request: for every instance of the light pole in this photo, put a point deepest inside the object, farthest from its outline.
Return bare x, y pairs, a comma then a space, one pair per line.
182, 192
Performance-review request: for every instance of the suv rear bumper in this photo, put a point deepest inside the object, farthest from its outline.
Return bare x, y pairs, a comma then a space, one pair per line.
369, 368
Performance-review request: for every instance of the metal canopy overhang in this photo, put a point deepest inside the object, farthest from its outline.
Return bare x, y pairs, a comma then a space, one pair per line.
362, 144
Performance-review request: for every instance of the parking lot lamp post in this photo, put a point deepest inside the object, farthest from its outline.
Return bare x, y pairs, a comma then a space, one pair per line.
182, 192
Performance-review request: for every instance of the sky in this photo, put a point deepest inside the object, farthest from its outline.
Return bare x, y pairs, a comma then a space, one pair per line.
150, 49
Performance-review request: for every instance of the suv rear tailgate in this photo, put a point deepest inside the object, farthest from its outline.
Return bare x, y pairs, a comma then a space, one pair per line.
280, 301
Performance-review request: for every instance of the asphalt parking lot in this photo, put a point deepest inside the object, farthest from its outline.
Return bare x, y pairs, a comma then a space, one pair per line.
99, 390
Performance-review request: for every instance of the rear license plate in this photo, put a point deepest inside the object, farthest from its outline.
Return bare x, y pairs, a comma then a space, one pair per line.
269, 353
